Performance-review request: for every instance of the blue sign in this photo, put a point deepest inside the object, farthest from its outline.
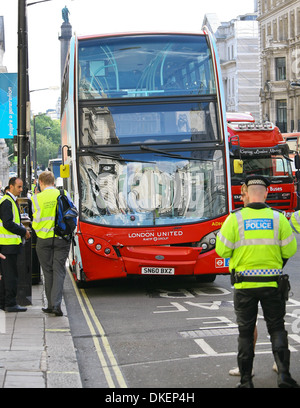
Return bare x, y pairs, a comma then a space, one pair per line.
258, 224
8, 105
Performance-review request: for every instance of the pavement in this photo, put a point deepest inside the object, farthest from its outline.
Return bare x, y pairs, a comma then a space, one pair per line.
36, 349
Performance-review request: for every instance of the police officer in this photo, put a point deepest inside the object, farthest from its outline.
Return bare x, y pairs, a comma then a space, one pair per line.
259, 240
11, 234
295, 221
52, 251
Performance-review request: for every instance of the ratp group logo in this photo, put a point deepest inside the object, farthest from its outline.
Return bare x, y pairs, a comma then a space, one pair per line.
2, 322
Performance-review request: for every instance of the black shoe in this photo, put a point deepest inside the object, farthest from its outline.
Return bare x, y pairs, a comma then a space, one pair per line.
282, 359
246, 384
47, 310
57, 311
286, 381
16, 308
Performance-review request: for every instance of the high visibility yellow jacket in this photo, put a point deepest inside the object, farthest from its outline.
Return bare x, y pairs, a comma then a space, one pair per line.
7, 237
44, 205
295, 221
256, 240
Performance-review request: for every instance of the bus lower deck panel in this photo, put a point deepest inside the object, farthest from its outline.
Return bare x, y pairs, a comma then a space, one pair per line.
108, 258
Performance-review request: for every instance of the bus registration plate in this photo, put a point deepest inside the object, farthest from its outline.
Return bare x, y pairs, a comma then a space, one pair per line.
148, 270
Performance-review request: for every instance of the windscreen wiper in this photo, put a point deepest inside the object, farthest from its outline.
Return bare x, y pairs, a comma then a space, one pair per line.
173, 155
95, 152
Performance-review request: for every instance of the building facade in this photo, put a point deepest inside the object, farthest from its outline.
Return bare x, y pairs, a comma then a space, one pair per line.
238, 47
279, 25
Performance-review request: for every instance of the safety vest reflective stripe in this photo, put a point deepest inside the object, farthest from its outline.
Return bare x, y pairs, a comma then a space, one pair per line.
7, 237
44, 230
295, 222
225, 241
256, 241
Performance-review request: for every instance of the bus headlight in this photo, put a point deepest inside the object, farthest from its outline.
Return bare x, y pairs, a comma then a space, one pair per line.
208, 242
212, 241
100, 247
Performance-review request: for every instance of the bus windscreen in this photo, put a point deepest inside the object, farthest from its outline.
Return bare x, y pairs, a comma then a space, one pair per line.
152, 188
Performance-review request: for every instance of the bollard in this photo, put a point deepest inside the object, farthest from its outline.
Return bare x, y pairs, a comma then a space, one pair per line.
24, 292
35, 264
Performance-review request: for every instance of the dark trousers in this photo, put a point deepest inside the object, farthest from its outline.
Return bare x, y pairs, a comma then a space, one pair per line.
52, 254
9, 281
246, 308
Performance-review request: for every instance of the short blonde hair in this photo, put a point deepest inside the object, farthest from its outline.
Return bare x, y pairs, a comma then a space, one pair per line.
47, 177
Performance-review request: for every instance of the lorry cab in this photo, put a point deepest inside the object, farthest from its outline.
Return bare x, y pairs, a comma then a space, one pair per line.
263, 150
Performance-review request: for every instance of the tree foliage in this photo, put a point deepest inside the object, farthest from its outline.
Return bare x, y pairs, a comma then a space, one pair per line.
48, 139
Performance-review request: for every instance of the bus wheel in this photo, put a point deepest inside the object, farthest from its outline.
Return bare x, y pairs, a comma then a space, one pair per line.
81, 283
206, 278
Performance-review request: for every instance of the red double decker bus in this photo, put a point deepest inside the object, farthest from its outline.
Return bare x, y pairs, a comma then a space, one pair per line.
144, 134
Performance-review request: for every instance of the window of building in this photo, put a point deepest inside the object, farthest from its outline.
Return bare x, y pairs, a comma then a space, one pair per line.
280, 67
281, 114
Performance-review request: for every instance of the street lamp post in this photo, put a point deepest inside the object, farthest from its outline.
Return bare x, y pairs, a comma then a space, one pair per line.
23, 144
25, 271
295, 83
23, 95
34, 150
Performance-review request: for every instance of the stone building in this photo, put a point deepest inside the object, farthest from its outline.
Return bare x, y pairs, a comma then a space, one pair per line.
238, 47
279, 24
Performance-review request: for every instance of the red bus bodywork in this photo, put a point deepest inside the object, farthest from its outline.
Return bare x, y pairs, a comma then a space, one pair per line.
129, 257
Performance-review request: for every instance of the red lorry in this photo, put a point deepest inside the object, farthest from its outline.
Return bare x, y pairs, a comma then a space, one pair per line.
263, 151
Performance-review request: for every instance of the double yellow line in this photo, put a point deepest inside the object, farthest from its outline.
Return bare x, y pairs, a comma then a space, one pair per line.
103, 349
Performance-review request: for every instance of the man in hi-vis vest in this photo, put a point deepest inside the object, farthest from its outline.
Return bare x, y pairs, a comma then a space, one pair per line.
51, 250
295, 222
11, 234
259, 240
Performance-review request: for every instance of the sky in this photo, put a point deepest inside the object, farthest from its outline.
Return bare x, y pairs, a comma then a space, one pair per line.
97, 17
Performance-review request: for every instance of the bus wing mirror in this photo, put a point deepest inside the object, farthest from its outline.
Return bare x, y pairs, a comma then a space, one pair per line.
238, 166
64, 170
297, 161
